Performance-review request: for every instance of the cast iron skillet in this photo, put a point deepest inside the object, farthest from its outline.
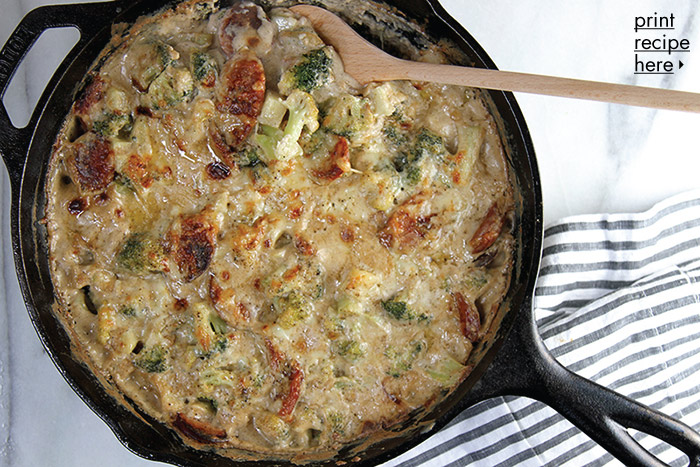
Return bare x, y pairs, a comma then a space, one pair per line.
515, 360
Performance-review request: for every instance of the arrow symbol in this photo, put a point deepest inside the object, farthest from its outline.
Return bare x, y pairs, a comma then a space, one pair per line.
680, 64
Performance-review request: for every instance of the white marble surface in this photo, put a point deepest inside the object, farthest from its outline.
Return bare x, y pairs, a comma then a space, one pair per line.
593, 158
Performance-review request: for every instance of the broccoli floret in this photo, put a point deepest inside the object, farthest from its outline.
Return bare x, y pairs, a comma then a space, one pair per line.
140, 253
150, 59
314, 70
170, 87
293, 309
220, 345
153, 360
394, 131
123, 181
351, 349
403, 361
428, 144
413, 175
204, 68
166, 53
124, 184
311, 72
400, 311
248, 158
284, 144
395, 136
317, 143
113, 124
349, 116
425, 144
128, 310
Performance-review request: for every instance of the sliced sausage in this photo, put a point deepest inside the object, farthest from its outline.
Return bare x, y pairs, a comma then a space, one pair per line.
488, 231
245, 25
469, 321
192, 244
198, 430
240, 94
296, 378
91, 163
405, 227
90, 95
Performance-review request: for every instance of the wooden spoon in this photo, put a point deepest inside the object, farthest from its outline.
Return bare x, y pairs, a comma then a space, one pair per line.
366, 63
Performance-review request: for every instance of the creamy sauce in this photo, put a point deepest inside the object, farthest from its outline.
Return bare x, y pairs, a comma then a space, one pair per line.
260, 252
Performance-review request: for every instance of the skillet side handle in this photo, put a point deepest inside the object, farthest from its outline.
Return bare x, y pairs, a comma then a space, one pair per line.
525, 367
89, 19
605, 416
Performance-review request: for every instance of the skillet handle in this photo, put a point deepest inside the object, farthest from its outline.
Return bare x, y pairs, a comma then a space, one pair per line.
89, 18
606, 415
525, 367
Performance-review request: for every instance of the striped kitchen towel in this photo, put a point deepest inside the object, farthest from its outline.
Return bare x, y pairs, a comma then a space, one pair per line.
618, 302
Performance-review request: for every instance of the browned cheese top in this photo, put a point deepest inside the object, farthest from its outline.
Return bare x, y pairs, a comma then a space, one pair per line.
262, 253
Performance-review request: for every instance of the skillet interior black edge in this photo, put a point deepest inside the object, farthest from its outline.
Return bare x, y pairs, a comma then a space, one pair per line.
153, 440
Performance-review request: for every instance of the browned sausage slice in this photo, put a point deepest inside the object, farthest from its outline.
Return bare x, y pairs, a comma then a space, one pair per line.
198, 430
488, 231
405, 227
296, 378
192, 243
469, 321
93, 93
240, 20
240, 94
91, 163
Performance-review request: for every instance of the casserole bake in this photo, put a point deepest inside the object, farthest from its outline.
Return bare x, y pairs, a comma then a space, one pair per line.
512, 360
253, 248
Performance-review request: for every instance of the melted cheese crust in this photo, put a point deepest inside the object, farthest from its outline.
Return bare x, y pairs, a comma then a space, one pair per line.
269, 261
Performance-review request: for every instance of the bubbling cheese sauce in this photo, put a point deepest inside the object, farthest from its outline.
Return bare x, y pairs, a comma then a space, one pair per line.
259, 252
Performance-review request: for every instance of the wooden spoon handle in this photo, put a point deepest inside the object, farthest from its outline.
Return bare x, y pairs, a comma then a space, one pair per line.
547, 85
366, 63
